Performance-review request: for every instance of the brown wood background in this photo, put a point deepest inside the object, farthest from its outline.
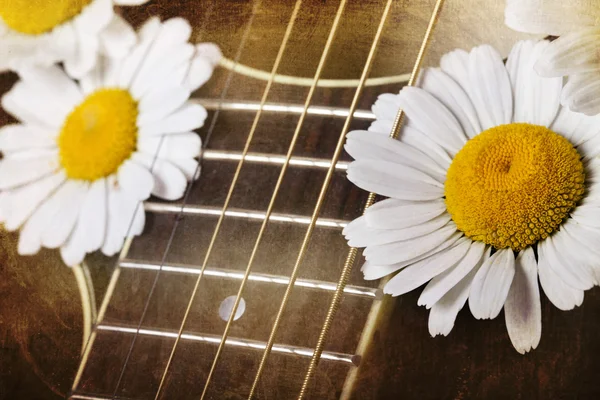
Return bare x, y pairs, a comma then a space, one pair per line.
40, 318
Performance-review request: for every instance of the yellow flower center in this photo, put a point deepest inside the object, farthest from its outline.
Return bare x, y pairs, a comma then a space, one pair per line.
513, 185
98, 135
34, 17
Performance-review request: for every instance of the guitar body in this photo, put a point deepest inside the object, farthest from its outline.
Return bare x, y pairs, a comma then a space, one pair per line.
378, 347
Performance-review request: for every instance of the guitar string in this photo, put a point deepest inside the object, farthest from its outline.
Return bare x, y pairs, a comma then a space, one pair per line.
321, 199
233, 184
276, 190
178, 217
350, 259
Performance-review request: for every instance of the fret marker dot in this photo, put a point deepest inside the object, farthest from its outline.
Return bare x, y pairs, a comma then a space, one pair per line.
227, 305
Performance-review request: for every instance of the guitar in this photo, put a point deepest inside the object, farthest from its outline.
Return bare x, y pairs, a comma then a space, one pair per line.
162, 326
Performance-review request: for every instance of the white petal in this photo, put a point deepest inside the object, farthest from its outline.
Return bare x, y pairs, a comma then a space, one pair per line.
576, 127
183, 145
95, 16
131, 64
207, 57
570, 54
491, 285
386, 107
189, 166
367, 145
86, 54
55, 85
536, 99
490, 87
135, 179
118, 38
157, 104
443, 283
550, 17
189, 117
583, 94
44, 218
402, 214
572, 273
121, 223
397, 252
93, 215
450, 93
33, 107
373, 271
394, 180
443, 313
417, 139
432, 118
522, 309
563, 296
168, 50
170, 70
20, 203
169, 181
64, 206
372, 236
90, 228
19, 171
17, 137
456, 64
419, 273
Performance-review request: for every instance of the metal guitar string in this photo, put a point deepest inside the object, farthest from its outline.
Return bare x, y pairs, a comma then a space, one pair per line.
125, 249
268, 213
353, 251
233, 184
321, 198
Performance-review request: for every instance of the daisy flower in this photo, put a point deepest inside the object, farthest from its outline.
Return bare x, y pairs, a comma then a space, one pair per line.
84, 154
44, 32
491, 186
574, 54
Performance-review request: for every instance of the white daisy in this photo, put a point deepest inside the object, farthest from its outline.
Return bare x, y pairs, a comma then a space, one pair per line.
575, 54
43, 32
488, 168
83, 155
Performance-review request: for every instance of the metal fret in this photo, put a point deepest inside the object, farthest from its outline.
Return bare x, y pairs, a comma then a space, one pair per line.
175, 208
211, 104
361, 291
264, 158
236, 342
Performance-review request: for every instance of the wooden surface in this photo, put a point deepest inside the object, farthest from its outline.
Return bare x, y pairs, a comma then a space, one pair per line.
40, 325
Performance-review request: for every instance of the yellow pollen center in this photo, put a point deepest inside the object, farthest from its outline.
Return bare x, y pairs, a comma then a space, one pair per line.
513, 185
98, 135
33, 17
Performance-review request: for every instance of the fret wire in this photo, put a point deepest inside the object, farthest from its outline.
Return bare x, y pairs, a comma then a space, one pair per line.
362, 291
211, 104
352, 252
266, 158
216, 231
116, 270
241, 213
238, 342
324, 188
317, 76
